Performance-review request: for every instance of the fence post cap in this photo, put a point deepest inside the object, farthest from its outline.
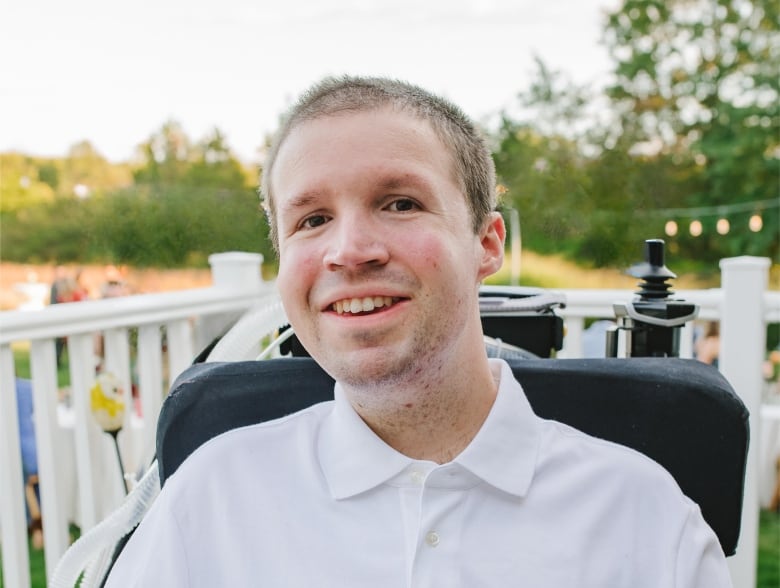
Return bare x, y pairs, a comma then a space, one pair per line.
745, 261
236, 269
235, 256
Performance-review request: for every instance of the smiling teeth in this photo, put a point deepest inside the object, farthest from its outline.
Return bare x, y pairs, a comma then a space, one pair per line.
356, 305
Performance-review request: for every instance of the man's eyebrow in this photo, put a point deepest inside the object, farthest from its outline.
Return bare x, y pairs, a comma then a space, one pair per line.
302, 200
394, 182
386, 183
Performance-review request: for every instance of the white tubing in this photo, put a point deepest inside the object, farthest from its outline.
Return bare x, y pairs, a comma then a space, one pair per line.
499, 304
105, 535
241, 341
93, 551
273, 345
497, 348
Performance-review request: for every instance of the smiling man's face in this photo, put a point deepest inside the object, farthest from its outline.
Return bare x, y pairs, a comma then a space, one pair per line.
379, 265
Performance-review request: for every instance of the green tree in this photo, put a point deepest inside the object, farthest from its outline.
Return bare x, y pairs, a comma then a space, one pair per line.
189, 200
49, 174
84, 171
697, 81
542, 178
538, 160
169, 157
20, 183
165, 156
177, 226
213, 164
575, 194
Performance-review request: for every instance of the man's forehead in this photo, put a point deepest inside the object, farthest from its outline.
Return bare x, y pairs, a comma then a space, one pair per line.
366, 115
302, 195
315, 135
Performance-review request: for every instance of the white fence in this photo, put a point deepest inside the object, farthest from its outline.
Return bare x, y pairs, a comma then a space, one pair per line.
80, 480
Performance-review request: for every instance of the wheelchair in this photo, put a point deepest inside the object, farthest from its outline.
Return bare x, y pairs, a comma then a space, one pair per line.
681, 413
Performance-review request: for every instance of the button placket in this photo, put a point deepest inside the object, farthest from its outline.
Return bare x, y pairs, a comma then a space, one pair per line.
417, 477
441, 514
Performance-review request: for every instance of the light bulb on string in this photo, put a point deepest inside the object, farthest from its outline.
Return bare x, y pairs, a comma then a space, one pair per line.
695, 228
723, 226
670, 228
756, 223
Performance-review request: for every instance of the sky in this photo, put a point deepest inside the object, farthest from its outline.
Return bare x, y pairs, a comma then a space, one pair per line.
113, 73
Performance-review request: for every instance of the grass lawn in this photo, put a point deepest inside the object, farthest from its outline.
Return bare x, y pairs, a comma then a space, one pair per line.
21, 353
37, 570
37, 567
768, 550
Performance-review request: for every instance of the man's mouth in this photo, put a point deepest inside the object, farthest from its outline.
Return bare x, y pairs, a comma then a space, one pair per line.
362, 305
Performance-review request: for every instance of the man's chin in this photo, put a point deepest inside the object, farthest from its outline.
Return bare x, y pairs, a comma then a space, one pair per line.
375, 367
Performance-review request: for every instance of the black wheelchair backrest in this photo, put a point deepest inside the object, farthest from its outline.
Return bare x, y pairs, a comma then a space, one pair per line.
681, 413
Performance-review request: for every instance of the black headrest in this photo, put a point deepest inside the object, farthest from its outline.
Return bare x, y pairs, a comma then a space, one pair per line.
681, 413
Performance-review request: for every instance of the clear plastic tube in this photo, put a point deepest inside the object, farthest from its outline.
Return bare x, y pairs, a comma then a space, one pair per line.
273, 345
89, 552
497, 348
241, 341
502, 304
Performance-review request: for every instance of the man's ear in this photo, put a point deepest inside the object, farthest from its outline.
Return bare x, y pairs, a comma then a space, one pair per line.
491, 240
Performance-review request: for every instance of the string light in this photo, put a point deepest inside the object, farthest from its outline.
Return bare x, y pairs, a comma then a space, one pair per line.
725, 214
720, 210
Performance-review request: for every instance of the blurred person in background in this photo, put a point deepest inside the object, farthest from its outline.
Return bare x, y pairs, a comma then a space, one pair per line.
707, 346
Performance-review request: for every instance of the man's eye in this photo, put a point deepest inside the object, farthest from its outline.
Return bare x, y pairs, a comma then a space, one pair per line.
403, 205
313, 222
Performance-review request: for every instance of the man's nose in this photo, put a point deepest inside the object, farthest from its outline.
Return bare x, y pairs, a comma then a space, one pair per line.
355, 242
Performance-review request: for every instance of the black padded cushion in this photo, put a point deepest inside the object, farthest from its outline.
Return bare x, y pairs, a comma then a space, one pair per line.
682, 413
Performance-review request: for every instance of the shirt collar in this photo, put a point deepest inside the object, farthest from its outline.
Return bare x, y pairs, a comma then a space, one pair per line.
503, 453
353, 458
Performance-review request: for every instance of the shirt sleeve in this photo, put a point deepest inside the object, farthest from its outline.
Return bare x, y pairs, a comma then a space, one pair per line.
700, 559
155, 554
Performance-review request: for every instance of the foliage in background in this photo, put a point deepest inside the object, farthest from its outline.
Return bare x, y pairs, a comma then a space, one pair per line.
577, 193
27, 181
699, 81
181, 202
689, 128
140, 226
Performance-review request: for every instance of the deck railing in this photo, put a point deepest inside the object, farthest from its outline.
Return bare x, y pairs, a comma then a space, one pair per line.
149, 339
145, 340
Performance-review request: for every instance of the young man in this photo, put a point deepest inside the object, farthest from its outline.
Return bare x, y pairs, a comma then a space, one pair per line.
429, 468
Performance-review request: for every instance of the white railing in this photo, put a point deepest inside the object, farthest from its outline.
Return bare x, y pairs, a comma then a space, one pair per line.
146, 341
80, 480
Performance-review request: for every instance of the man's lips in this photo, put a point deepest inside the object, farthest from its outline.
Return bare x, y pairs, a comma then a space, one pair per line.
362, 304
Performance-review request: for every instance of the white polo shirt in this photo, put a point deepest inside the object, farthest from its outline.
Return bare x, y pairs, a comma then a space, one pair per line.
317, 499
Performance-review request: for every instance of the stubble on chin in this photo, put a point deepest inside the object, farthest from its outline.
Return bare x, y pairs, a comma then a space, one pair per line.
372, 373
386, 376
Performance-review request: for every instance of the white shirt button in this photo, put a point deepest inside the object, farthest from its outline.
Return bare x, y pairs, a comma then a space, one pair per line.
417, 477
432, 539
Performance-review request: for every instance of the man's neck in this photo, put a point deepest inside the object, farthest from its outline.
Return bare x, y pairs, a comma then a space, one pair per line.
432, 421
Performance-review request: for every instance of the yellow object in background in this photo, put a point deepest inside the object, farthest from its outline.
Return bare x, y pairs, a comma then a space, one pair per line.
107, 403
